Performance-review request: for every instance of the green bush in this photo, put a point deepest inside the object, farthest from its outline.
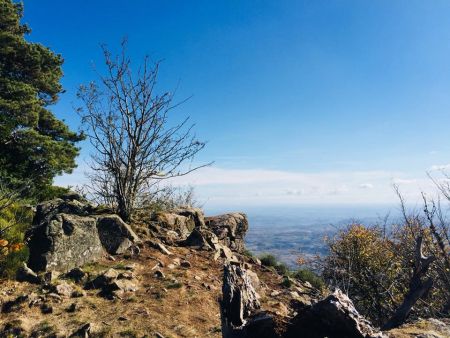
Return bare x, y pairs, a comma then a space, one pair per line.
271, 261
287, 282
51, 192
268, 260
306, 275
12, 261
15, 219
248, 253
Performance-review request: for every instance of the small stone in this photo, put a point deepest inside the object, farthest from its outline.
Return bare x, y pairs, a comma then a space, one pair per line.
130, 267
274, 293
159, 246
197, 278
46, 308
126, 275
83, 332
171, 266
64, 289
78, 294
105, 278
72, 308
186, 264
76, 274
49, 276
25, 274
123, 285
159, 274
54, 296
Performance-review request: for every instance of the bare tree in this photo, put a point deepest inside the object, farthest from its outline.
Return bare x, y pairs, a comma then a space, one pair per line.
128, 124
417, 287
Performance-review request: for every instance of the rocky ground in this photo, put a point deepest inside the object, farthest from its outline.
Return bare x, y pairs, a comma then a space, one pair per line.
173, 295
172, 274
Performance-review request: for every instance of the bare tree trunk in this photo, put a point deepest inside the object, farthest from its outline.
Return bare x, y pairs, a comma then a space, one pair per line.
417, 288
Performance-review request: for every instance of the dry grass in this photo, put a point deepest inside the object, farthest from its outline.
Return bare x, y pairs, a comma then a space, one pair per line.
183, 304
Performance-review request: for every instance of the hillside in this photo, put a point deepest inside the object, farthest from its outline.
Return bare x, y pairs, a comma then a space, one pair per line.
167, 284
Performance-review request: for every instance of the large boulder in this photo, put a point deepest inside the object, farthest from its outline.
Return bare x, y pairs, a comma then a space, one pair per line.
63, 242
115, 235
202, 238
230, 229
179, 222
67, 233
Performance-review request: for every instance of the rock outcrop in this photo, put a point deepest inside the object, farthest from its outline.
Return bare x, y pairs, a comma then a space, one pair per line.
202, 238
177, 224
230, 229
115, 235
67, 233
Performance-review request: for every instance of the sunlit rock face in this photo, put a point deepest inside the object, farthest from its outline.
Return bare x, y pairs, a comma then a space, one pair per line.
67, 233
230, 229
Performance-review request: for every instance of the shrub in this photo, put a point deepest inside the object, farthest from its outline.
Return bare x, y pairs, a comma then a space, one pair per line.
268, 260
374, 266
271, 261
287, 282
306, 275
14, 221
248, 253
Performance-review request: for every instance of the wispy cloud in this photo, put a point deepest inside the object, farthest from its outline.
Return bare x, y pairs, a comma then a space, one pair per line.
440, 167
223, 186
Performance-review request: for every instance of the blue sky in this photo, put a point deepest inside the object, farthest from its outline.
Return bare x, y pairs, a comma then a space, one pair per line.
301, 101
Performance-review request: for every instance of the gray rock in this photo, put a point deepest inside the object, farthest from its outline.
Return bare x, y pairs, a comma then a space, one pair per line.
25, 274
64, 289
202, 238
103, 280
180, 221
68, 233
159, 274
159, 246
230, 229
77, 274
64, 242
115, 235
83, 332
334, 316
123, 285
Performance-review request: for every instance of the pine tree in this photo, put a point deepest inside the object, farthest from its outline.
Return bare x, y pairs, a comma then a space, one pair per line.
34, 145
